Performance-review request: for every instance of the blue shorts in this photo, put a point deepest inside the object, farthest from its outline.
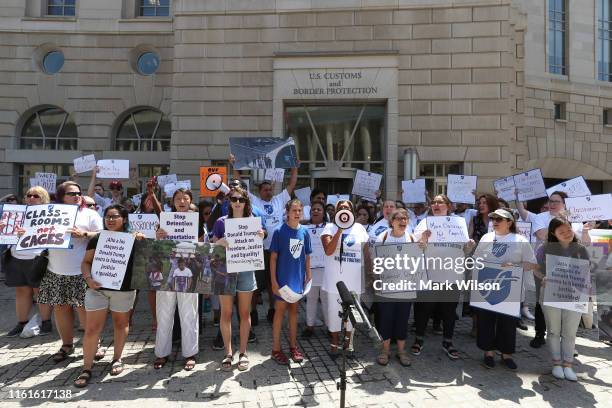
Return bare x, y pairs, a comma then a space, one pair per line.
246, 282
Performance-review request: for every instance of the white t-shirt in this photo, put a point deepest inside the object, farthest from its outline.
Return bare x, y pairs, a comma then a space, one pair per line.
378, 228
272, 211
500, 249
390, 239
542, 220
349, 270
317, 257
25, 255
415, 219
468, 214
68, 261
185, 272
102, 203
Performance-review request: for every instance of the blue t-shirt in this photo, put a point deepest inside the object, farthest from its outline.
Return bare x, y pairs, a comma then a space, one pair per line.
291, 246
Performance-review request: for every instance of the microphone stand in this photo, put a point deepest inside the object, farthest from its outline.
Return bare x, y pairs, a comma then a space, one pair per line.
341, 385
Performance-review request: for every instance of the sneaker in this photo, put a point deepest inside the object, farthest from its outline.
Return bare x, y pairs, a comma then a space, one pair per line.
254, 317
558, 372
537, 342
252, 337
218, 342
16, 330
270, 315
509, 363
46, 328
488, 362
526, 313
569, 374
521, 325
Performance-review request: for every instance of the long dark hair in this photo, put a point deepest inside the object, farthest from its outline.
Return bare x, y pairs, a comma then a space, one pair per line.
123, 212
183, 191
492, 203
447, 201
552, 246
555, 223
60, 192
247, 205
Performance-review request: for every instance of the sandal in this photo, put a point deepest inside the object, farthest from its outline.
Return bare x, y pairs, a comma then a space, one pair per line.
160, 362
417, 347
190, 363
383, 359
296, 355
450, 350
100, 352
226, 363
83, 379
280, 357
243, 362
116, 367
333, 352
63, 354
403, 358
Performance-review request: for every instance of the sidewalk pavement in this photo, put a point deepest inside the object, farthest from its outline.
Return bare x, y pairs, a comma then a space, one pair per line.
432, 380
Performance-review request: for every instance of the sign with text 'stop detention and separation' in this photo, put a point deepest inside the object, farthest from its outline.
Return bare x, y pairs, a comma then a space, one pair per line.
180, 226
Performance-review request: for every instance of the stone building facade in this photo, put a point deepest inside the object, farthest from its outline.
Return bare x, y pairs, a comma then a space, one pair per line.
407, 88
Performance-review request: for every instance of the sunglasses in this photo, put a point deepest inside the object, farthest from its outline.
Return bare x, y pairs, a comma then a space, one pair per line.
32, 196
497, 219
438, 202
241, 200
91, 205
73, 193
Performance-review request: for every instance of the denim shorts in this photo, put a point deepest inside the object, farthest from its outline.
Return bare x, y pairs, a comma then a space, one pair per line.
246, 282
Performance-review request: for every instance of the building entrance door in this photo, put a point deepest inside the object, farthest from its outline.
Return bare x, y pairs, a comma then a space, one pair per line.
334, 185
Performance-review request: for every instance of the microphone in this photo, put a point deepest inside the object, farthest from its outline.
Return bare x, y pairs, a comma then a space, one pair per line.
356, 313
345, 295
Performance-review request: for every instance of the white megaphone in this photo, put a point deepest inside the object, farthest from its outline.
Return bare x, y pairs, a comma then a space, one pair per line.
344, 219
213, 182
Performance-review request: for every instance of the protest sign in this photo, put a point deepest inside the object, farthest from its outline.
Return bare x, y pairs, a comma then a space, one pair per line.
568, 283
245, 250
48, 181
399, 278
366, 184
45, 226
164, 179
136, 199
111, 258
180, 226
144, 223
170, 188
275, 175
263, 153
113, 169
211, 179
524, 229
461, 189
317, 257
85, 163
33, 182
500, 291
12, 217
303, 194
576, 187
414, 191
290, 296
505, 188
530, 185
177, 266
334, 198
589, 208
447, 229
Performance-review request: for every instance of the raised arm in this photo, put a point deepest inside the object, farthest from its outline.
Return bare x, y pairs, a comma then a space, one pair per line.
92, 183
235, 173
293, 179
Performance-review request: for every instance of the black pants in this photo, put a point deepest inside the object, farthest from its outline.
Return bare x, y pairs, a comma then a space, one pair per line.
425, 307
540, 322
392, 319
496, 331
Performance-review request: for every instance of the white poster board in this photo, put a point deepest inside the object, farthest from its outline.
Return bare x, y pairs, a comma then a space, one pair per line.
290, 296
245, 250
505, 296
162, 180
576, 187
524, 229
505, 188
45, 226
414, 191
447, 229
275, 175
317, 257
334, 198
589, 208
461, 188
180, 226
111, 258
568, 283
136, 199
84, 164
366, 184
303, 194
144, 223
13, 216
530, 185
396, 278
113, 169
48, 181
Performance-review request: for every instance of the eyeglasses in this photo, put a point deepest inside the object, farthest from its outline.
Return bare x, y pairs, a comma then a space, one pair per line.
73, 193
400, 219
90, 205
112, 217
555, 202
32, 196
241, 200
439, 202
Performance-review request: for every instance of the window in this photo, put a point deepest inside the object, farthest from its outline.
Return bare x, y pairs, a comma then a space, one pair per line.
28, 171
154, 8
607, 116
53, 62
49, 128
560, 111
435, 175
143, 130
61, 7
604, 20
557, 37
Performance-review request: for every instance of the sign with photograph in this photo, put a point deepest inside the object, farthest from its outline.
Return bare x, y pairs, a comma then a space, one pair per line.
263, 153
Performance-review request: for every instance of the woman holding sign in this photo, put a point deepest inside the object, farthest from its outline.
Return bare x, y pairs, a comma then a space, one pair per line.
343, 260
167, 302
63, 286
24, 274
99, 301
245, 284
562, 324
503, 246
